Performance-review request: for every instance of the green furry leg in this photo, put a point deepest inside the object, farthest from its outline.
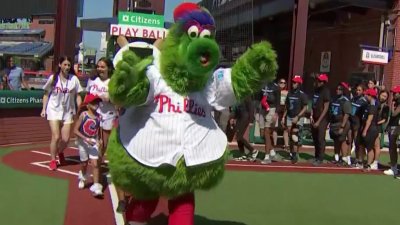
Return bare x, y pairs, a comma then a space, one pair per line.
145, 182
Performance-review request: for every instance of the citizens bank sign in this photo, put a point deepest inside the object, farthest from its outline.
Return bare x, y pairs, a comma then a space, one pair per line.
139, 25
138, 31
375, 57
141, 19
21, 99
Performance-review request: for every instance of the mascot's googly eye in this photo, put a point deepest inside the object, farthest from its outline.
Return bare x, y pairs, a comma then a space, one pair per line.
205, 34
193, 32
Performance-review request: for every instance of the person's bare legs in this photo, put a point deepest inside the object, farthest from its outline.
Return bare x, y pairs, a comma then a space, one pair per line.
275, 138
286, 137
345, 153
105, 135
370, 156
377, 151
95, 170
267, 140
65, 136
55, 138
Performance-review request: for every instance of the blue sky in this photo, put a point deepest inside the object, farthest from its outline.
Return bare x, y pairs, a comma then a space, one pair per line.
103, 8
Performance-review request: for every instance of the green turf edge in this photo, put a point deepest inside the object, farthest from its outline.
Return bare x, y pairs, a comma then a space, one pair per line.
263, 198
30, 199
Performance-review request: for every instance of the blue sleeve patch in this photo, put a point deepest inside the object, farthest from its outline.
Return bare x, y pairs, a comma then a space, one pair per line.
220, 75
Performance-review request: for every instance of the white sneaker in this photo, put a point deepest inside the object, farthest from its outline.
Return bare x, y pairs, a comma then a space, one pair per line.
253, 156
82, 180
81, 184
93, 187
374, 165
389, 172
97, 190
353, 149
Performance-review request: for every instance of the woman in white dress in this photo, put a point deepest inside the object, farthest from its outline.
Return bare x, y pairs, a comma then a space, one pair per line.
107, 110
60, 100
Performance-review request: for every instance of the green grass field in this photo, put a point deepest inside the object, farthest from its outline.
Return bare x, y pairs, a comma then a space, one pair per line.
254, 198
30, 199
243, 198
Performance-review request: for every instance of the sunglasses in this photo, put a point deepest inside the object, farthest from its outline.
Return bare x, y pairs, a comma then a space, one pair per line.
282, 82
339, 89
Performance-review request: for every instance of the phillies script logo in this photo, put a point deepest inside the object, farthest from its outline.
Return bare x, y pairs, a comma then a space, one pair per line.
60, 90
90, 128
96, 88
188, 105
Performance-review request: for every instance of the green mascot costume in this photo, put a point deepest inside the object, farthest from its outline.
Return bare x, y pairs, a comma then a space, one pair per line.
167, 143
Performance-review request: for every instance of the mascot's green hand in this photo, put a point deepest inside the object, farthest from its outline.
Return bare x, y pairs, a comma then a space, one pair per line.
129, 85
257, 65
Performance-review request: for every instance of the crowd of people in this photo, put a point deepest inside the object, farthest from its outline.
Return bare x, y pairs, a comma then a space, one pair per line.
356, 118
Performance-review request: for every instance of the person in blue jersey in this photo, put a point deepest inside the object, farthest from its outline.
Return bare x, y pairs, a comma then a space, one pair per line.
358, 104
87, 129
340, 110
295, 108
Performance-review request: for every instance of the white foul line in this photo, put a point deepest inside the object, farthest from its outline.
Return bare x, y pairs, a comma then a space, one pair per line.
119, 219
294, 167
66, 158
61, 170
48, 154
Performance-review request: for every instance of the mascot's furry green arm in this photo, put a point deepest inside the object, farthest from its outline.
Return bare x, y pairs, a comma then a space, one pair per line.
167, 143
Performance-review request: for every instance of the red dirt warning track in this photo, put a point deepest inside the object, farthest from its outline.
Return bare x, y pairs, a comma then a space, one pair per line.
76, 212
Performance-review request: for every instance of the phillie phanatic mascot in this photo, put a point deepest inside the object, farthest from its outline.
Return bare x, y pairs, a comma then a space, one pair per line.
167, 143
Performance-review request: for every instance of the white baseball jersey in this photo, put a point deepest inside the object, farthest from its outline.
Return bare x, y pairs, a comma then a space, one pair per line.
62, 96
100, 88
89, 84
169, 126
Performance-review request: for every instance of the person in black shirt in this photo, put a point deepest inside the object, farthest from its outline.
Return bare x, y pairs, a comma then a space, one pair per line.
270, 101
369, 126
383, 118
244, 113
358, 104
340, 110
393, 130
295, 108
319, 117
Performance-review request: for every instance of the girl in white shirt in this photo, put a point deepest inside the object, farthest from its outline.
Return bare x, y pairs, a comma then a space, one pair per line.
60, 100
92, 76
106, 109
